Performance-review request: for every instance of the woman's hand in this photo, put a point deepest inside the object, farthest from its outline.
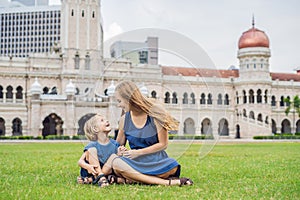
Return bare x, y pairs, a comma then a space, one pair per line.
121, 150
131, 154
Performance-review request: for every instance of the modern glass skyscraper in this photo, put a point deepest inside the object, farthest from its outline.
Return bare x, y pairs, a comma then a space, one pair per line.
32, 2
25, 30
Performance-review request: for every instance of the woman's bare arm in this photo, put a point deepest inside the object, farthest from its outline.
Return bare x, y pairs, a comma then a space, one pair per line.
121, 136
162, 144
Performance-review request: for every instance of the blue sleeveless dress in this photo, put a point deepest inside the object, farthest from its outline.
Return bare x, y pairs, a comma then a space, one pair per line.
138, 138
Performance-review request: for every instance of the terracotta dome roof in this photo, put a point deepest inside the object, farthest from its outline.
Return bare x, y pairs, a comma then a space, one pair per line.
254, 38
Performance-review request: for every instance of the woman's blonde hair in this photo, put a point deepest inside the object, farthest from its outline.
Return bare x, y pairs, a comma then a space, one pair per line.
91, 129
129, 91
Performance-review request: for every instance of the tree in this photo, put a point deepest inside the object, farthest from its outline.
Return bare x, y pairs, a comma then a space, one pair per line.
294, 107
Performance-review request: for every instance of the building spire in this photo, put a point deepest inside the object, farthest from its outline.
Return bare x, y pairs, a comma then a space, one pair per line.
253, 21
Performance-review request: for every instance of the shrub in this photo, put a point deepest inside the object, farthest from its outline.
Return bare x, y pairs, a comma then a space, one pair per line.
57, 137
276, 137
25, 137
78, 137
189, 137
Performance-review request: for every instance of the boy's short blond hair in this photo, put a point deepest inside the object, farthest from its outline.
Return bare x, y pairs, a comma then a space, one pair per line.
90, 128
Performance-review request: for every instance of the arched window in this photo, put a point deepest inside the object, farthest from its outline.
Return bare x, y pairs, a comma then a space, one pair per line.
202, 99
267, 120
281, 101
1, 92
45, 90
209, 99
273, 101
17, 126
82, 121
244, 113
53, 90
189, 126
193, 98
285, 126
2, 126
72, 12
223, 127
76, 60
237, 98
259, 117
251, 96
226, 99
82, 13
244, 97
251, 115
174, 98
288, 102
274, 129
266, 96
9, 93
153, 94
87, 62
167, 97
185, 98
219, 99
206, 127
259, 97
52, 125
19, 94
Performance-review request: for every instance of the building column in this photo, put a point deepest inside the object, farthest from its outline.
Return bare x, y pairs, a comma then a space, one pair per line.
23, 97
14, 96
4, 95
278, 129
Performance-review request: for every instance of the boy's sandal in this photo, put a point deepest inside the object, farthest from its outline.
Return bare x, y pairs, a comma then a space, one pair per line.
112, 179
185, 181
84, 180
96, 180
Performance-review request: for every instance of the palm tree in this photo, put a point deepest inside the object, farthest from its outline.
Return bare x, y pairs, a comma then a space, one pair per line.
293, 106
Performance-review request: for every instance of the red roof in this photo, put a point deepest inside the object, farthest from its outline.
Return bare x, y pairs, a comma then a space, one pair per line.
285, 76
220, 73
202, 72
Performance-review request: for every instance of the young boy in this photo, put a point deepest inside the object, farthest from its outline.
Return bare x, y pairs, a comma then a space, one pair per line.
92, 171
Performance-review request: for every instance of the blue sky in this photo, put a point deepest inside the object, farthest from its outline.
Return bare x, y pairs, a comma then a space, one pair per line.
214, 25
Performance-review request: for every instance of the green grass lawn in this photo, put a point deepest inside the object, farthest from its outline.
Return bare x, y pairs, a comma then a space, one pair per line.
229, 171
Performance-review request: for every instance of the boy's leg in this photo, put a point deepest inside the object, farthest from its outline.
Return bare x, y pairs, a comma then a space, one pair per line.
92, 158
85, 177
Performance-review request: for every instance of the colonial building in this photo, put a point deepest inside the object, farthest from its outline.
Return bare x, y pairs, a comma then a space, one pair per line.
54, 92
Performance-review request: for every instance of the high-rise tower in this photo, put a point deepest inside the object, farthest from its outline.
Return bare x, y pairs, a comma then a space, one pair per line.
81, 35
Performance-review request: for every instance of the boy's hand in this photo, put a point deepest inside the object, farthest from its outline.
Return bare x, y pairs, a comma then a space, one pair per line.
92, 169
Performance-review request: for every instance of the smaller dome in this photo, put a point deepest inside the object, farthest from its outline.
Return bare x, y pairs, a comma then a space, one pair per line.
144, 90
70, 88
111, 89
36, 87
254, 38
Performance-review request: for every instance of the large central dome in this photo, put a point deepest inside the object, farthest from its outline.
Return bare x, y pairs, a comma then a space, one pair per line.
254, 38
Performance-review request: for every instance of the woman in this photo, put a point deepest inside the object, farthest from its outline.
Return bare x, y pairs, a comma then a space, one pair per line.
145, 125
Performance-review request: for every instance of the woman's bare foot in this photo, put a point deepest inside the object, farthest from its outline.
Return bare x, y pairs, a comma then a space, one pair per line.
112, 179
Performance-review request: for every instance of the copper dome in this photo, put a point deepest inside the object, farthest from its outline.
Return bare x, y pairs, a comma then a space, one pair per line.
254, 38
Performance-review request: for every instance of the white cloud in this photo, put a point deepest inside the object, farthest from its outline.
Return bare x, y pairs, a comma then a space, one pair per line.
113, 30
